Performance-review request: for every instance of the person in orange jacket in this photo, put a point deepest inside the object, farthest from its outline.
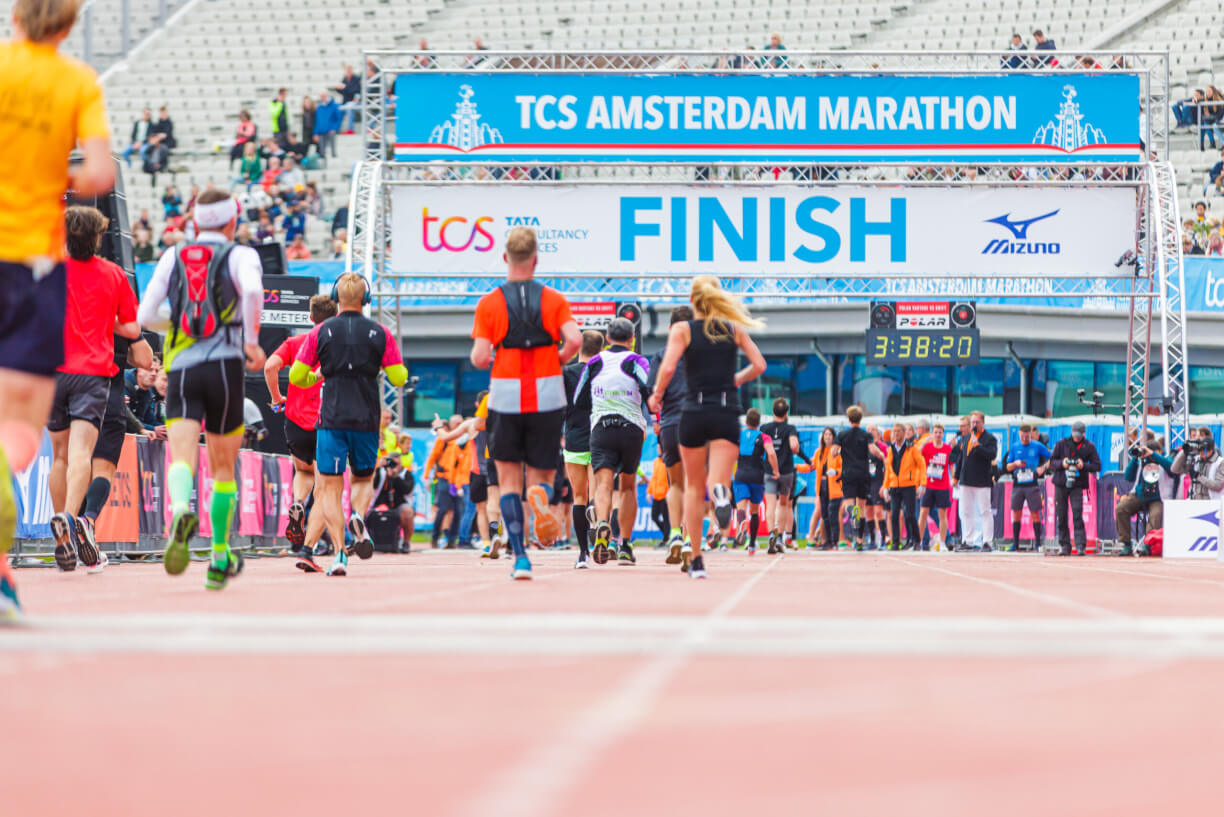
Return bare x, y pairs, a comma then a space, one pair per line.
827, 465
657, 488
904, 476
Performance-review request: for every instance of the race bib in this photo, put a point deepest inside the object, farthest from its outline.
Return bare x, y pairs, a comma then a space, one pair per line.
935, 471
832, 472
1024, 475
871, 467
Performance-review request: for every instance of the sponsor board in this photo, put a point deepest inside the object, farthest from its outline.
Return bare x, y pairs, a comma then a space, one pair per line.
1192, 529
732, 230
777, 117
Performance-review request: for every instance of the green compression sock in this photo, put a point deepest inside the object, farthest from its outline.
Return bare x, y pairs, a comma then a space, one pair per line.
181, 481
224, 500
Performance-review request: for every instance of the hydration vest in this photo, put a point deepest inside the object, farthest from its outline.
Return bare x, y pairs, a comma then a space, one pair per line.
525, 325
203, 299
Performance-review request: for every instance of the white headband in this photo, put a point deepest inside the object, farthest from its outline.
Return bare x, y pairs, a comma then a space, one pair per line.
216, 215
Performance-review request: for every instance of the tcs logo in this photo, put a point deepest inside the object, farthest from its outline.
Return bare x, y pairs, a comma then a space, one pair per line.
456, 234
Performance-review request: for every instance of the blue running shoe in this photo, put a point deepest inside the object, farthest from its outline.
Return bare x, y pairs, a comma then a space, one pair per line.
522, 569
10, 607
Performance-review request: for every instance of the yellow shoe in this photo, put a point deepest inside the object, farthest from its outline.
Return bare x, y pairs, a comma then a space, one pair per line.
8, 507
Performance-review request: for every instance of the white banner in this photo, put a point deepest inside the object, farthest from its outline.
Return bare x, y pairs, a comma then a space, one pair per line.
1191, 528
834, 231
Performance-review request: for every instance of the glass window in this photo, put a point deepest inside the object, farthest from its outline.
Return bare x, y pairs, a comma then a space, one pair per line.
845, 383
1011, 387
928, 390
1111, 379
810, 386
980, 387
1058, 383
435, 392
878, 388
1206, 389
774, 383
472, 381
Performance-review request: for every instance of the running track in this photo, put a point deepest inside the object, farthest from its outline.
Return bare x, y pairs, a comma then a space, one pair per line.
811, 684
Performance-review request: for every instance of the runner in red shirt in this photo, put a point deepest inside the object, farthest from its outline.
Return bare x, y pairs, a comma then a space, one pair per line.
101, 304
301, 410
936, 453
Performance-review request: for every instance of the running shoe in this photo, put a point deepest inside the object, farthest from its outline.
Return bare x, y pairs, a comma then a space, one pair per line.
295, 531
182, 528
686, 556
339, 565
603, 532
87, 545
674, 545
522, 569
624, 555
697, 569
492, 551
10, 607
773, 543
8, 509
752, 546
1013, 548
1142, 549
583, 562
1126, 549
62, 528
1080, 550
722, 514
100, 565
219, 573
307, 563
546, 527
361, 544
986, 548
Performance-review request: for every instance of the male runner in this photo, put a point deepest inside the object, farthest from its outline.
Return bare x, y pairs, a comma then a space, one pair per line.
51, 104
937, 455
578, 442
101, 304
857, 451
616, 381
349, 350
879, 524
750, 483
1027, 463
522, 321
779, 510
301, 410
667, 430
216, 297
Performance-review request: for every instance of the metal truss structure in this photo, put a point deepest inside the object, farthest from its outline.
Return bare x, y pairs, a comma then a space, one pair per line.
1152, 284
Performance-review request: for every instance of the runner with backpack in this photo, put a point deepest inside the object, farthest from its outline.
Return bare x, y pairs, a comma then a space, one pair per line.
215, 289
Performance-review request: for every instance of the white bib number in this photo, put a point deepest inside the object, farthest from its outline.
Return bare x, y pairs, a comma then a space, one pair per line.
1024, 475
935, 471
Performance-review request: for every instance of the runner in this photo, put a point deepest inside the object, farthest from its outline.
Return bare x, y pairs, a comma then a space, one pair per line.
101, 304
216, 297
656, 488
749, 485
779, 510
51, 104
562, 503
879, 525
904, 477
348, 350
301, 409
615, 380
667, 430
937, 454
522, 321
857, 454
578, 442
1027, 465
710, 345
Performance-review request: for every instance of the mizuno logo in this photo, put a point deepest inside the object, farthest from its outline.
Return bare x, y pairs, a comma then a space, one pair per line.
1205, 543
1211, 516
1019, 228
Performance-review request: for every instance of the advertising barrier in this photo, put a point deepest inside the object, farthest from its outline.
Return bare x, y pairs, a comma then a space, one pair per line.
838, 232
1192, 529
773, 117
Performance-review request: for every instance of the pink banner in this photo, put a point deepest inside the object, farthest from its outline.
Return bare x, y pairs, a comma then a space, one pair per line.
250, 494
204, 491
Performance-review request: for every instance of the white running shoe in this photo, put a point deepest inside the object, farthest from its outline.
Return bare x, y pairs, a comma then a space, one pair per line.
100, 565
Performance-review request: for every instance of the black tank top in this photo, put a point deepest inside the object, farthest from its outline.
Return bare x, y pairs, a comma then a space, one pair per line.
709, 368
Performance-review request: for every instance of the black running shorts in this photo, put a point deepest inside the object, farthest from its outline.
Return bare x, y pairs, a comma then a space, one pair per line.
1030, 494
669, 444
302, 442
697, 428
937, 498
854, 487
32, 319
209, 393
114, 425
533, 439
78, 397
478, 489
617, 448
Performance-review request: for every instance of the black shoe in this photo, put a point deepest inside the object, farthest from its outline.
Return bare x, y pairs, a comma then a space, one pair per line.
1126, 550
1081, 550
624, 556
63, 529
986, 548
1064, 550
295, 530
697, 568
307, 563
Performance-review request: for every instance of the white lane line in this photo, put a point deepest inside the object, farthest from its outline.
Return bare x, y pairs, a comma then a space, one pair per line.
1173, 577
536, 785
1037, 595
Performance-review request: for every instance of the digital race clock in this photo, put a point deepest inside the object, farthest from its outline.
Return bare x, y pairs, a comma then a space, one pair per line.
923, 347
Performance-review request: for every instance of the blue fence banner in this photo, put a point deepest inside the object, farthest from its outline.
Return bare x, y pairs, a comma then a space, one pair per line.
781, 117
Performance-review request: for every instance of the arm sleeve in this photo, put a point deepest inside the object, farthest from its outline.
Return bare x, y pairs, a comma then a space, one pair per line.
589, 371
1132, 469
127, 300
300, 373
155, 293
247, 274
1179, 463
393, 361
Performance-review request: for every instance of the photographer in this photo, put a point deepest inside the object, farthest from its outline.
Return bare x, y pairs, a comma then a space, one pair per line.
1073, 459
1200, 459
1153, 477
393, 488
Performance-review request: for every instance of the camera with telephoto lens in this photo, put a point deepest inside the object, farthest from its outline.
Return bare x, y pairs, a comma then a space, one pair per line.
1071, 470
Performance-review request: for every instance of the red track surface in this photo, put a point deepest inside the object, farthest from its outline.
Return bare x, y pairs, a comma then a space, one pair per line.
811, 684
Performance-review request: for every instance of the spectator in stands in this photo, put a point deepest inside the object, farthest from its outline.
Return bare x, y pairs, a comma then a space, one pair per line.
1017, 44
156, 157
279, 116
327, 122
1211, 111
269, 148
1215, 177
294, 222
270, 174
425, 60
775, 44
143, 399
243, 235
337, 249
1190, 246
172, 202
250, 171
295, 147
144, 221
340, 221
1215, 245
1042, 43
349, 89
1088, 63
313, 201
142, 246
308, 123
244, 136
291, 176
165, 126
1186, 110
297, 249
266, 231
475, 59
140, 136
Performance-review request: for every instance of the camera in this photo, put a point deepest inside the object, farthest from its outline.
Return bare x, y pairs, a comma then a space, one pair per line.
1071, 470
410, 386
1193, 447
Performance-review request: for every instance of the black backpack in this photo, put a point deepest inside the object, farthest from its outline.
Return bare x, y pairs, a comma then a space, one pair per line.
525, 326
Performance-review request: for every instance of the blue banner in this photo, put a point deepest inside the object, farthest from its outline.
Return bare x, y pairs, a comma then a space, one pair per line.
1058, 117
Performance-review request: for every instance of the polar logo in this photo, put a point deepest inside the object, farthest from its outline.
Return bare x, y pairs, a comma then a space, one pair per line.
1205, 544
1019, 229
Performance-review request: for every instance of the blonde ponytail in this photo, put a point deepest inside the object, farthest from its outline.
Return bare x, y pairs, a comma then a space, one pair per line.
720, 309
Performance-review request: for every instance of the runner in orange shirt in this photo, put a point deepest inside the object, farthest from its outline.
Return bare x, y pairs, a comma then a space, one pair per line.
522, 321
